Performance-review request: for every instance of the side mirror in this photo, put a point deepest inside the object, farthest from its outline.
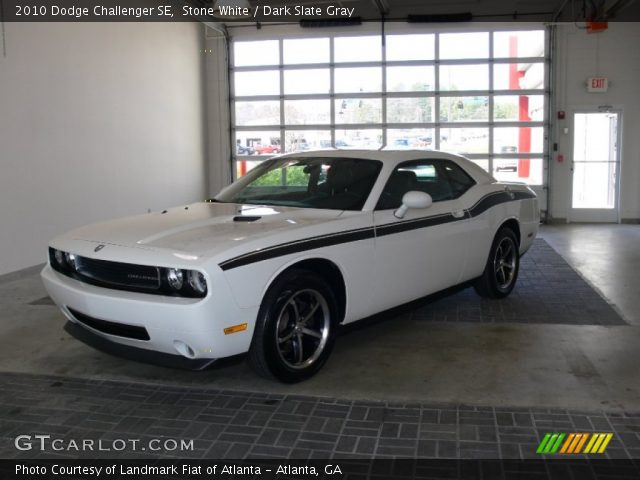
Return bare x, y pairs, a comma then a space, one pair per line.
413, 199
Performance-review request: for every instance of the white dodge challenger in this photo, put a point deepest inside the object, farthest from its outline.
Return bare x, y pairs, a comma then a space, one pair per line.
279, 259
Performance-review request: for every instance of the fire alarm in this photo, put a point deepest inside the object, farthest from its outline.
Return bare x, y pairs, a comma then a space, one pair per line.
561, 115
596, 27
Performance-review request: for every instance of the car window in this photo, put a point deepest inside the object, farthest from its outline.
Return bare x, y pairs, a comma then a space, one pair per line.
310, 182
442, 179
293, 178
425, 173
459, 180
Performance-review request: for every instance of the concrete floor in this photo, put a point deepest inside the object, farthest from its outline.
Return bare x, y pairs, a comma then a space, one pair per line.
608, 257
521, 365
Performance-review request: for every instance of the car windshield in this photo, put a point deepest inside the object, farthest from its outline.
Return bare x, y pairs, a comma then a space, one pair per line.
309, 182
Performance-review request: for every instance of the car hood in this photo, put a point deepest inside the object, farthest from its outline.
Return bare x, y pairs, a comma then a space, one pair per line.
202, 229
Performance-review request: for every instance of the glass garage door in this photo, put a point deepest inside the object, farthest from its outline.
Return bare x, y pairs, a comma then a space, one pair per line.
481, 94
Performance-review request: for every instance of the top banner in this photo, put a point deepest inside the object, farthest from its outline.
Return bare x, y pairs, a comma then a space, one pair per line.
172, 11
322, 13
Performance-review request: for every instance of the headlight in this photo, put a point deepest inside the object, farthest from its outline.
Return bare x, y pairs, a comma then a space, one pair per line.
71, 260
175, 277
59, 257
197, 282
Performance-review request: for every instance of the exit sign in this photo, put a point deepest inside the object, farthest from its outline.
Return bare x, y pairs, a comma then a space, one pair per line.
597, 84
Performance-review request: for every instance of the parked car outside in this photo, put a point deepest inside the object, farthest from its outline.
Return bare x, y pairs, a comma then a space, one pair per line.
244, 150
267, 149
510, 165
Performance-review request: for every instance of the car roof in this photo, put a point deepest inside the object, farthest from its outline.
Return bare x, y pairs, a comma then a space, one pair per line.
393, 157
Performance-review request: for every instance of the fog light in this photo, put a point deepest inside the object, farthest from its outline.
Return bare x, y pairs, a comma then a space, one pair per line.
197, 282
184, 349
175, 278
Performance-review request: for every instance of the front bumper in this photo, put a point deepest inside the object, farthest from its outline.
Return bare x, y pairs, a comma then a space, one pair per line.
86, 335
186, 327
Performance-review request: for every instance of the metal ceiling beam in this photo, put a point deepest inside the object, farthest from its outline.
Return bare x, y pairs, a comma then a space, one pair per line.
617, 7
382, 6
559, 10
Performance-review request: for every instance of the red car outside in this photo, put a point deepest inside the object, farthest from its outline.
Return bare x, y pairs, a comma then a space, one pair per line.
265, 149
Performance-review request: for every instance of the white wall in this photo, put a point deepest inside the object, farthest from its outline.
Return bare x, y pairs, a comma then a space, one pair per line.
614, 53
97, 120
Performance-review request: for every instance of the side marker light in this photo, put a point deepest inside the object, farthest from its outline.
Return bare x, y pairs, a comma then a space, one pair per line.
235, 329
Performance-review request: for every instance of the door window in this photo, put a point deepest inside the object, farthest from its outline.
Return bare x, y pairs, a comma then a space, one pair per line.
442, 179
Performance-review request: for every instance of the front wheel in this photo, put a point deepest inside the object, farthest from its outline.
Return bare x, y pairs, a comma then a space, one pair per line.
501, 271
296, 327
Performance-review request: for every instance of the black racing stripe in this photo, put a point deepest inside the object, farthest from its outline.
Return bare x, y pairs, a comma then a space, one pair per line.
298, 246
482, 205
523, 195
496, 198
488, 201
398, 227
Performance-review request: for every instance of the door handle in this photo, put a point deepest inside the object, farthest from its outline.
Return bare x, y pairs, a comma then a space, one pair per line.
458, 214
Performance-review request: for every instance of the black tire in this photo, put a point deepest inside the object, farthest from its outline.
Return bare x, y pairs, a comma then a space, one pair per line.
280, 328
501, 271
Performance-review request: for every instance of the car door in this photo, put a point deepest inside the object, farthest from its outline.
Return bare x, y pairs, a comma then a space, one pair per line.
425, 251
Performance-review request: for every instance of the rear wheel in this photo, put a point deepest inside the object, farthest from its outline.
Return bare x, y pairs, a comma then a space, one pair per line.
296, 327
501, 271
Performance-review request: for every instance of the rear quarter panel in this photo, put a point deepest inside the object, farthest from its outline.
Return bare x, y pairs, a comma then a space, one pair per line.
490, 206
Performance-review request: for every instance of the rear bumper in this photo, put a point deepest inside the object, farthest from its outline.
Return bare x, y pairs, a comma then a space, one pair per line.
136, 354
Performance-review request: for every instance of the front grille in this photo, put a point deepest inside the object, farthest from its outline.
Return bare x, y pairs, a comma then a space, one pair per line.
122, 276
119, 274
111, 328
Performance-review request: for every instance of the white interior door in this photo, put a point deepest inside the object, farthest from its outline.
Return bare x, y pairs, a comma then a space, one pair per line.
595, 167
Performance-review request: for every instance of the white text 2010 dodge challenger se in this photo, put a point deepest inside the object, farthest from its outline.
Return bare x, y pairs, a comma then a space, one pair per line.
277, 260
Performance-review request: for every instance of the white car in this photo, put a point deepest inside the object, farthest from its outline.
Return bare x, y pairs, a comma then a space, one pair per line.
279, 259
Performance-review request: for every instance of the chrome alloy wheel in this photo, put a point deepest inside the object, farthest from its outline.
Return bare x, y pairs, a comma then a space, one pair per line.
302, 328
504, 263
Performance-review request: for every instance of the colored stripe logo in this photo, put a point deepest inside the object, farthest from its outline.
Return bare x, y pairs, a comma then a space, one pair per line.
573, 443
